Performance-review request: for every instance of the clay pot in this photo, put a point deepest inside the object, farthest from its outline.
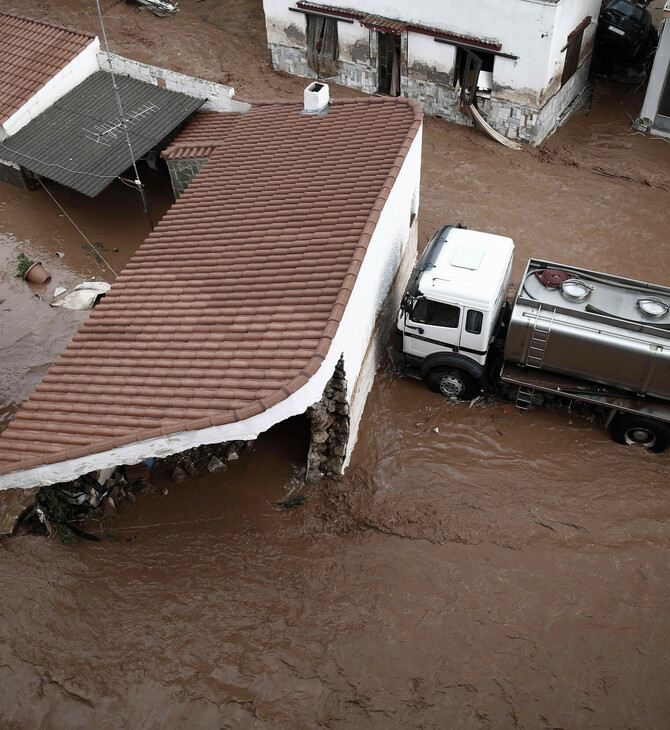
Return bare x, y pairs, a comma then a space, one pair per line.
37, 274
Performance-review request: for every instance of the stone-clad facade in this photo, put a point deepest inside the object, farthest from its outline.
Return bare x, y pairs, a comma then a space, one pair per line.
536, 54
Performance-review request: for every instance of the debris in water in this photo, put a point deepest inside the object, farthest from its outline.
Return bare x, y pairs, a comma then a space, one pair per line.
59, 290
215, 465
160, 8
291, 503
83, 296
60, 254
178, 475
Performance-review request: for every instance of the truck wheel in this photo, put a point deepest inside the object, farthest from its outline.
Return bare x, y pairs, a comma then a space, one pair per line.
631, 429
452, 383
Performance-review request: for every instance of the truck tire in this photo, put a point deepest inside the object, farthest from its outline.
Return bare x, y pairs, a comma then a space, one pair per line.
631, 429
452, 383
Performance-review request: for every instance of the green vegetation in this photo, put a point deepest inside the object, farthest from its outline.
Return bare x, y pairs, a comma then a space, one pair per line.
22, 265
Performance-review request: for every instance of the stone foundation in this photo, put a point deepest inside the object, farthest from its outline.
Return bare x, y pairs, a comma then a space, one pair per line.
183, 171
60, 506
511, 119
330, 429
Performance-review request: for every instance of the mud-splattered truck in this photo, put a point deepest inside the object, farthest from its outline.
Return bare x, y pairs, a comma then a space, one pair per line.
569, 332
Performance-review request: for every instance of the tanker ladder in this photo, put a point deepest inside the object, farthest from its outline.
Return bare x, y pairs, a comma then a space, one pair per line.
539, 339
524, 397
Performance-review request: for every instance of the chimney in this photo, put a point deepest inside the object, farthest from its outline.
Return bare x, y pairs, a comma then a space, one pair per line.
317, 98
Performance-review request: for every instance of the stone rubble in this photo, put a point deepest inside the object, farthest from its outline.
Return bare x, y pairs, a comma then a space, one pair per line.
59, 506
330, 429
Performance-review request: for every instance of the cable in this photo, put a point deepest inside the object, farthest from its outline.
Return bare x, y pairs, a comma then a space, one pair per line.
93, 248
118, 103
54, 164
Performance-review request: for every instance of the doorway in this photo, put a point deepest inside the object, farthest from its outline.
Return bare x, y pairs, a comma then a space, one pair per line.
389, 64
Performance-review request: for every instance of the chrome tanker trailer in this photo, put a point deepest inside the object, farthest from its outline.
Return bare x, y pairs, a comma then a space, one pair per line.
583, 335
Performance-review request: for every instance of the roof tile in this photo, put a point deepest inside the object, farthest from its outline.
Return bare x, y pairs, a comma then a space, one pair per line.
231, 304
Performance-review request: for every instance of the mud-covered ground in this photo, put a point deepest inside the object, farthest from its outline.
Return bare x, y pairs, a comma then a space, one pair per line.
476, 567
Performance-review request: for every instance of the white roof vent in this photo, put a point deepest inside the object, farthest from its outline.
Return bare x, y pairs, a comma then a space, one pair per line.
317, 98
467, 256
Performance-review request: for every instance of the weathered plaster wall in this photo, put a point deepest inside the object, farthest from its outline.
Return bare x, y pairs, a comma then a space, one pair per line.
518, 25
570, 13
219, 97
390, 245
657, 79
526, 89
72, 75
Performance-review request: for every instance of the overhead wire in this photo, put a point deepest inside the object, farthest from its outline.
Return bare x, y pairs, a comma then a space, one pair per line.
55, 164
65, 213
120, 107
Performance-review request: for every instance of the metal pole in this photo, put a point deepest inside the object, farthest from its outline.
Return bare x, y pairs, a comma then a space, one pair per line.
138, 182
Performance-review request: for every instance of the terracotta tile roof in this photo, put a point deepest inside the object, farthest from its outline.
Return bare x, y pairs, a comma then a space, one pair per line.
202, 136
386, 25
232, 302
31, 53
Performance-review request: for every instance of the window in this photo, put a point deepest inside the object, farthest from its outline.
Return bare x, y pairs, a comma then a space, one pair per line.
427, 311
473, 322
473, 67
322, 45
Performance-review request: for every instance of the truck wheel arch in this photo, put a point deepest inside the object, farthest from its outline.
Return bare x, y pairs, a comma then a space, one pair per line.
452, 360
629, 428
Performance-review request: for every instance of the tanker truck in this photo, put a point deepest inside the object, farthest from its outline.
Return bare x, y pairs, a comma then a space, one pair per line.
569, 332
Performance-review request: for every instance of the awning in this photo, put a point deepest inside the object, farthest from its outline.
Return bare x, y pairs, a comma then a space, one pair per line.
80, 142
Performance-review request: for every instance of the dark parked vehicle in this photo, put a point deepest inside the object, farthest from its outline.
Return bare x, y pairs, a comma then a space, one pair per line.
625, 32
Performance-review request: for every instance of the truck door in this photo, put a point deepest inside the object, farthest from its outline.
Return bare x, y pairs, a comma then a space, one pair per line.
473, 340
430, 327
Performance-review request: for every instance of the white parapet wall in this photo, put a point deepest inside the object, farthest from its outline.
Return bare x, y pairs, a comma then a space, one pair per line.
80, 68
381, 281
358, 341
658, 79
219, 96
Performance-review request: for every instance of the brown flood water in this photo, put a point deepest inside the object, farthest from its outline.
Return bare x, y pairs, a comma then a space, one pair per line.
474, 568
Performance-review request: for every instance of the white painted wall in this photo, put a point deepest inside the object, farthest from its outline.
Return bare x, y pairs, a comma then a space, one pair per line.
569, 15
422, 50
533, 30
80, 68
387, 246
219, 96
659, 73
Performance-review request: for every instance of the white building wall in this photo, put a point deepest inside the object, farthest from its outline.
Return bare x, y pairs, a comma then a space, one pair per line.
570, 13
80, 68
390, 246
533, 32
219, 96
657, 79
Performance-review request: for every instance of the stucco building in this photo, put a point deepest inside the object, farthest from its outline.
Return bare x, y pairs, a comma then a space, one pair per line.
655, 113
265, 292
524, 61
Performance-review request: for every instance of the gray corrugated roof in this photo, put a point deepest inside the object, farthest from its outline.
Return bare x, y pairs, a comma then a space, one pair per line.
79, 141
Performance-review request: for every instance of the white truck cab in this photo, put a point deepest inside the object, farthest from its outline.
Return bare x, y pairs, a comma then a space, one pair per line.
451, 310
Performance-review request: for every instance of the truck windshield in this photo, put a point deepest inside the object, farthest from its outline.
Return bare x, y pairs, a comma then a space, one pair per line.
427, 311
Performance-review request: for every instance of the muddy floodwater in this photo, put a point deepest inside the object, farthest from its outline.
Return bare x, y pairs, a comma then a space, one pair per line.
476, 567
